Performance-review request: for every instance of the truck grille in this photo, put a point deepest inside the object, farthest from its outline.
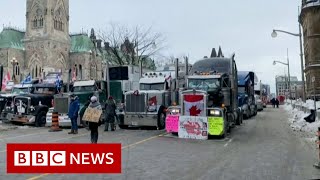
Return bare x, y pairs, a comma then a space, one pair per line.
21, 105
135, 103
61, 104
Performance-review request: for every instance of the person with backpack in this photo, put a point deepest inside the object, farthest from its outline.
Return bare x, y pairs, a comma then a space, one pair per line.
110, 114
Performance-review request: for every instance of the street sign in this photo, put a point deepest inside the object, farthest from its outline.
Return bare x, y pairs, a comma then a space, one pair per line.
313, 79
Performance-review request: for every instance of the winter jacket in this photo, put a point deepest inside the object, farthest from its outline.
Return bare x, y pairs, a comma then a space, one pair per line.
110, 108
93, 125
74, 108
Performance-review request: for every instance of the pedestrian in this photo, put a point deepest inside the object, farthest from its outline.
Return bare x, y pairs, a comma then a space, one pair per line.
277, 103
110, 114
273, 101
93, 126
73, 113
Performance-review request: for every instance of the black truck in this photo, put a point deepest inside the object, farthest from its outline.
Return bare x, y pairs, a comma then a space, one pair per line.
32, 108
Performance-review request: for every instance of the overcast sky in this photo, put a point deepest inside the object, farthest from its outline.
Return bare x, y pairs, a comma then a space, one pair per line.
194, 27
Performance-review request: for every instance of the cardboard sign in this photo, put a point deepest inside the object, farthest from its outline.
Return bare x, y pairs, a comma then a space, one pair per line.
216, 126
172, 123
193, 127
92, 115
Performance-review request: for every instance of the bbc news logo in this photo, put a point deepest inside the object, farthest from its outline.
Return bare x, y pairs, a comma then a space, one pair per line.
63, 158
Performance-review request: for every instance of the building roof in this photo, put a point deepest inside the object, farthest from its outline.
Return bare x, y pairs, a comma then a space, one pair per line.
81, 43
11, 38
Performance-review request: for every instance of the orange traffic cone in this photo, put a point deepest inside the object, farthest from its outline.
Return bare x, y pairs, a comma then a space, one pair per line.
55, 122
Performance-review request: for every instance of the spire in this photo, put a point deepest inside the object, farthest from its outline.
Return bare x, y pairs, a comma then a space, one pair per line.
213, 53
220, 54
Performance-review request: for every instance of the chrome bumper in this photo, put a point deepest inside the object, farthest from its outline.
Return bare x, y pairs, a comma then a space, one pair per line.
26, 119
141, 120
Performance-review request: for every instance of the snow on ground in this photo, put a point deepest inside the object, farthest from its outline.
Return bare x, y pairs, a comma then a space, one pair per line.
297, 122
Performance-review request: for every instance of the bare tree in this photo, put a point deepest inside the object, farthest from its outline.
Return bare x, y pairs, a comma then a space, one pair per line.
127, 46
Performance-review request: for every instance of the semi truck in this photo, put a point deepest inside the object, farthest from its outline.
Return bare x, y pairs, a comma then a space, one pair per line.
212, 92
147, 105
246, 98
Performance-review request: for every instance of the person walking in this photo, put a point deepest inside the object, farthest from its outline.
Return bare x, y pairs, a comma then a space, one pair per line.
110, 114
93, 126
73, 113
277, 102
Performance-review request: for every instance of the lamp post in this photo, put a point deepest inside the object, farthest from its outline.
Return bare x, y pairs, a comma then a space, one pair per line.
13, 61
287, 64
274, 35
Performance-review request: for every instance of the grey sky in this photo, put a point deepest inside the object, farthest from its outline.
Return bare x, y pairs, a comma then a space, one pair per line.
195, 27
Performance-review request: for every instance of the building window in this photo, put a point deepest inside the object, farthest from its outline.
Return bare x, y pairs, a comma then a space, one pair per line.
34, 22
58, 24
80, 71
17, 70
41, 22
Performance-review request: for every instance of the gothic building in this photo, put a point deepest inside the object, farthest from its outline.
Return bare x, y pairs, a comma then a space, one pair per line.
46, 45
309, 19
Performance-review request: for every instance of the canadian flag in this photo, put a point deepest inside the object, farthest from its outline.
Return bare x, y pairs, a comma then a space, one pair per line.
5, 81
194, 105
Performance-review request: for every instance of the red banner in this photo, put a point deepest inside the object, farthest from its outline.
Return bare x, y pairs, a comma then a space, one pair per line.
64, 158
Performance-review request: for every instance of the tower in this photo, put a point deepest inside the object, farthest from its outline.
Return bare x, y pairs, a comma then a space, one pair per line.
47, 40
309, 19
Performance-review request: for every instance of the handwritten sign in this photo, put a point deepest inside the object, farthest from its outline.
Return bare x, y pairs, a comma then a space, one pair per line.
216, 126
193, 127
92, 115
172, 123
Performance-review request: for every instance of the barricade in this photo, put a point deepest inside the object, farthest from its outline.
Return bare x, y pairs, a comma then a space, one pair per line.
317, 165
55, 122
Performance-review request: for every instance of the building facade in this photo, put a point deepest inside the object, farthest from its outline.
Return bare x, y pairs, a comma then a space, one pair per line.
46, 45
282, 87
309, 19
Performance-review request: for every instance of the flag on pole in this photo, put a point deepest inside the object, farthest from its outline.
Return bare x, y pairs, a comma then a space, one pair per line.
5, 81
27, 80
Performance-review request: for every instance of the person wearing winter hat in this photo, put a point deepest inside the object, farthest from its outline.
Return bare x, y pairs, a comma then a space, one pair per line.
110, 114
93, 126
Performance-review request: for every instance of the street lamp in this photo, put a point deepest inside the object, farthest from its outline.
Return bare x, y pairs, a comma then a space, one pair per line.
13, 61
287, 64
274, 35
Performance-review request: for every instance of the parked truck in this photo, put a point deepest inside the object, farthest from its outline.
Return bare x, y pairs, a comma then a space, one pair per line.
147, 105
246, 98
212, 92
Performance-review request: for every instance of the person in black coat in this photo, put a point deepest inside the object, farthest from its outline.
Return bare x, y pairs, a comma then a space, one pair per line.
93, 126
277, 103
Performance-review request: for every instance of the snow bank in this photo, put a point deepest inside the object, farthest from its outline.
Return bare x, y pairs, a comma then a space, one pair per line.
297, 122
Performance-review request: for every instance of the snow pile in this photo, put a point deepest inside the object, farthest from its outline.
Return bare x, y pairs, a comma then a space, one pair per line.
297, 122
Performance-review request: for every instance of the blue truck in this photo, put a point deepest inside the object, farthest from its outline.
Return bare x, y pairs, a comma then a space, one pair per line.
246, 99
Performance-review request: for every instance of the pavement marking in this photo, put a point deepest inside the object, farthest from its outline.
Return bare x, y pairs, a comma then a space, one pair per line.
124, 147
59, 139
25, 135
230, 140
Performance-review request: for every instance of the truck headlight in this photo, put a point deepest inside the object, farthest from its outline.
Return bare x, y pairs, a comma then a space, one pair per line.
214, 112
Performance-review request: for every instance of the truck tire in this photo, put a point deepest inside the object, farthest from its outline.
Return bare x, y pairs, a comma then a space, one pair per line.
41, 119
161, 121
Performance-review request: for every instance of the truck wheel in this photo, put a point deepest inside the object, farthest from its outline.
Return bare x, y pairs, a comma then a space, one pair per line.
161, 121
41, 119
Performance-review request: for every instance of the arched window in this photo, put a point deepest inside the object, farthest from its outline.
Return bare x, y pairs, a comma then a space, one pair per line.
35, 22
41, 21
17, 69
93, 71
80, 71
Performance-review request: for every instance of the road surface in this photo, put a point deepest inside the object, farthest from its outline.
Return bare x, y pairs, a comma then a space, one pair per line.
264, 147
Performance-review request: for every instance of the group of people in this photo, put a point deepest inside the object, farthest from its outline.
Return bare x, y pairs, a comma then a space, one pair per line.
275, 102
110, 115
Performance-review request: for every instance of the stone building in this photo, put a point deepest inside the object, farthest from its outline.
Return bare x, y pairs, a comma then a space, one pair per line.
282, 86
46, 45
309, 19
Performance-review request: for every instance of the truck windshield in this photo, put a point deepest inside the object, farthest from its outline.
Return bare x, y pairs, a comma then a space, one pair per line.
241, 89
20, 90
203, 84
83, 88
156, 86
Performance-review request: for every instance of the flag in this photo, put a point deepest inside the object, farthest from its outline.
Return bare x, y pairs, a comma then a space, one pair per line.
5, 81
58, 82
194, 105
27, 80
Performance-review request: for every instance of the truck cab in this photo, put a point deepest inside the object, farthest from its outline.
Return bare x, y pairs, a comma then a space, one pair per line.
147, 106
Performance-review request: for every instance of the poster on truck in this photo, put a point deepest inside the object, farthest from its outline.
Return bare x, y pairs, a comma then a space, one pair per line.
193, 127
172, 123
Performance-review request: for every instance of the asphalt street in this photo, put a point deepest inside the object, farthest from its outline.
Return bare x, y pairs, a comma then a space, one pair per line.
263, 147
